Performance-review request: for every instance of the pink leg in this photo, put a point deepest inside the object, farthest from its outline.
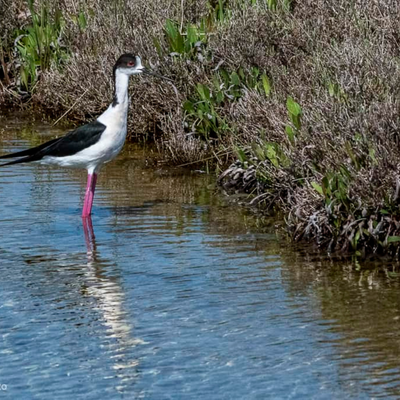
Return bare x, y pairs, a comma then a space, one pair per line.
89, 235
89, 195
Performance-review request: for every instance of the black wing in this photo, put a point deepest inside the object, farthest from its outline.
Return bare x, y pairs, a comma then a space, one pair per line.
68, 145
30, 151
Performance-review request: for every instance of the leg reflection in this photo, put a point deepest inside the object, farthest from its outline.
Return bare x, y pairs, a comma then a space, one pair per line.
89, 236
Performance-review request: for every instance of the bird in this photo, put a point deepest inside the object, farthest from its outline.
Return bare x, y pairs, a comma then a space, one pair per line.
92, 145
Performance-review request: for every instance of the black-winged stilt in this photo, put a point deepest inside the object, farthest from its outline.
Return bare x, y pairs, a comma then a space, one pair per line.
92, 145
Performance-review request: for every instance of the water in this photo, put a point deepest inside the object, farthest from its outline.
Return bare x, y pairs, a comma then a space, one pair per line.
173, 293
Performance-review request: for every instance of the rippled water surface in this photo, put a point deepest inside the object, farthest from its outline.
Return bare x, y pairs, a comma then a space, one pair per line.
172, 293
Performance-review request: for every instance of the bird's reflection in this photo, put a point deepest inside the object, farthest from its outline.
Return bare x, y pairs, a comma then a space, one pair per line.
110, 298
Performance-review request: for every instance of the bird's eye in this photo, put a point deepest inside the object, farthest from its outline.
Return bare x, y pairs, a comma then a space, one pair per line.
131, 64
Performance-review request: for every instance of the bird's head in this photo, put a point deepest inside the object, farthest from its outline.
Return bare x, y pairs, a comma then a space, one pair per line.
129, 64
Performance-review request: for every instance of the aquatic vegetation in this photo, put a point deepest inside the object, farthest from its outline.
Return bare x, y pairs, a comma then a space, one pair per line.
227, 87
186, 43
39, 44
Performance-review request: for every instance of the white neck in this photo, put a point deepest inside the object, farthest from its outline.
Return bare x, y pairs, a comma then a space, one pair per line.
121, 88
117, 112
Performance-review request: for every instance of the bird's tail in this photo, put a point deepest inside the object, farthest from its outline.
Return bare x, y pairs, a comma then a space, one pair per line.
28, 155
21, 160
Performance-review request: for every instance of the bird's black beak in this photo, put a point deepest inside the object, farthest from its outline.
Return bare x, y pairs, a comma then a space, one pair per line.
146, 71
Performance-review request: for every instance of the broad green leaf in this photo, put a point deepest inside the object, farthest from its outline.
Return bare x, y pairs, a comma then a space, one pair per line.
255, 72
293, 107
271, 154
266, 84
191, 34
357, 237
393, 239
216, 82
290, 132
225, 77
317, 187
325, 186
241, 155
82, 21
219, 97
295, 121
272, 5
258, 151
235, 79
203, 91
174, 37
371, 154
331, 89
171, 30
188, 106
220, 10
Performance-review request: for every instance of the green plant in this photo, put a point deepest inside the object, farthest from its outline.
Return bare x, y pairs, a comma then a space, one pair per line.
271, 151
219, 11
80, 20
38, 44
182, 42
202, 111
337, 92
286, 4
234, 83
283, 5
335, 186
271, 4
295, 113
226, 87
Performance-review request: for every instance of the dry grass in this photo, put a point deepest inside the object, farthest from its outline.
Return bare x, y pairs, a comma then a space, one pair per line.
351, 134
